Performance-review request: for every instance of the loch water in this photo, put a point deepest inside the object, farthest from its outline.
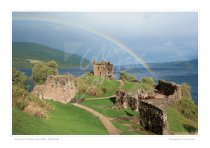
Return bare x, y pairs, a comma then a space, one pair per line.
177, 75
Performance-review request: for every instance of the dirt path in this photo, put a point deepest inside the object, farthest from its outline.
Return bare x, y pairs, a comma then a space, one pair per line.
108, 125
106, 121
122, 83
100, 98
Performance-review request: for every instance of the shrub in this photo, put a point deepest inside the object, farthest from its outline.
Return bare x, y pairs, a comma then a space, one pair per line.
41, 103
94, 91
148, 80
19, 97
81, 85
41, 70
127, 77
35, 110
89, 73
187, 108
104, 90
19, 79
147, 83
38, 108
23, 100
186, 105
186, 89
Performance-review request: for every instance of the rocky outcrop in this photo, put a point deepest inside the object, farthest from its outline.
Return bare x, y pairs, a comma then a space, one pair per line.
58, 87
152, 105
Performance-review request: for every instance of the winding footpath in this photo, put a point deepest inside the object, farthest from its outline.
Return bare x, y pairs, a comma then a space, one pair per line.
100, 98
112, 130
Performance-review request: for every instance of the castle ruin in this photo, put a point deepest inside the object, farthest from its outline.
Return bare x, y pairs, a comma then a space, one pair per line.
59, 88
103, 69
152, 106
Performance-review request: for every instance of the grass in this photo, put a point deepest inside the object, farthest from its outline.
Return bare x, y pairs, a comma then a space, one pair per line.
65, 119
183, 116
129, 128
131, 86
104, 106
110, 86
179, 124
145, 83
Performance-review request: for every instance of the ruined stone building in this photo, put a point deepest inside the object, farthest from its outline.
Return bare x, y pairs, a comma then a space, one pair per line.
59, 88
152, 106
103, 69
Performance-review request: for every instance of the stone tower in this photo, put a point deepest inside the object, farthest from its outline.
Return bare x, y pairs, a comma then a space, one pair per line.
103, 69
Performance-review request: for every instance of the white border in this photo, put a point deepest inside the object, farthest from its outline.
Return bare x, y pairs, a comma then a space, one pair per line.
107, 141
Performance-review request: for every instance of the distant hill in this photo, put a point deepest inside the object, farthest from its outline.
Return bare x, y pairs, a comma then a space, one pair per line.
25, 54
175, 64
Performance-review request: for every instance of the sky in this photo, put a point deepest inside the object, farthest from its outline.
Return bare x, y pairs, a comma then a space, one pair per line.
115, 36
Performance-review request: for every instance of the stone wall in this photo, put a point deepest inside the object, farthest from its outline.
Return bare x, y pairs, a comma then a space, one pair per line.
59, 88
103, 69
167, 88
152, 105
126, 100
153, 118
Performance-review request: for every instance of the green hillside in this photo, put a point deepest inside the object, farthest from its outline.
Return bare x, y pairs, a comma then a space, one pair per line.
65, 119
25, 54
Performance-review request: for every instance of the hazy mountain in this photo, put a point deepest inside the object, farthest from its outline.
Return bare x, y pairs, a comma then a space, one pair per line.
24, 54
175, 64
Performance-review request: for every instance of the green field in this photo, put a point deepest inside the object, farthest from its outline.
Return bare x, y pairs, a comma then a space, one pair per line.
179, 124
104, 106
110, 86
133, 86
65, 119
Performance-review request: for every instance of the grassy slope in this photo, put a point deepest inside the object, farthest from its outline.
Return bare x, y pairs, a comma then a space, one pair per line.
111, 86
64, 119
24, 52
179, 124
104, 106
131, 86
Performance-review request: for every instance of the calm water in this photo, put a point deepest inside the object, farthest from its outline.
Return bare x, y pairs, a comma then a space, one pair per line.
178, 75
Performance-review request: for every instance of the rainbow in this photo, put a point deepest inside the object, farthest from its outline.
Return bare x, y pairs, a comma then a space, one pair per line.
104, 36
117, 43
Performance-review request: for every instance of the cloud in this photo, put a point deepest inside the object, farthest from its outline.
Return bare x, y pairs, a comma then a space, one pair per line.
157, 35
123, 23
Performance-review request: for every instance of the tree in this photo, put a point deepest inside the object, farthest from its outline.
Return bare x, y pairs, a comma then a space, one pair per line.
148, 80
41, 70
186, 91
127, 77
19, 79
